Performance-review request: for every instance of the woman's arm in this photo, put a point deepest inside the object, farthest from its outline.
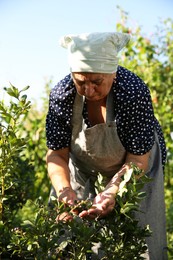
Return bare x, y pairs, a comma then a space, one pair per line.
141, 161
58, 171
104, 202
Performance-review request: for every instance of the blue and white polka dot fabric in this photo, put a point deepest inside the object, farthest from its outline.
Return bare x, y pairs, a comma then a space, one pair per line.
133, 114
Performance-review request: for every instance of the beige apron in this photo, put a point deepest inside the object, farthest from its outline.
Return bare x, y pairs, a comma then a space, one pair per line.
94, 150
99, 150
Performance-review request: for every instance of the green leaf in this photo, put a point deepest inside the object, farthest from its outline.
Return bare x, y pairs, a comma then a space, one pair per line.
128, 207
63, 244
29, 248
24, 89
13, 92
2, 107
28, 223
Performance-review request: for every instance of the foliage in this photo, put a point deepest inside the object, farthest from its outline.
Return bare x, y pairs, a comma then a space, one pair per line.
34, 129
117, 236
15, 171
43, 237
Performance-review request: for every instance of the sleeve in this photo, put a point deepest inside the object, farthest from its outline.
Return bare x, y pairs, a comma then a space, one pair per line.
136, 119
58, 120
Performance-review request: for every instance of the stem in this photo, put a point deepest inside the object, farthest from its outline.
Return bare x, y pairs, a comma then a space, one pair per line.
2, 176
2, 196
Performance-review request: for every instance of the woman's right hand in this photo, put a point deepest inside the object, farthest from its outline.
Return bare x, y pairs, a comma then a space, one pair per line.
68, 197
58, 170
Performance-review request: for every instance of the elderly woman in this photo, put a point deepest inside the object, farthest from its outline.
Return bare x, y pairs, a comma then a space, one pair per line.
100, 120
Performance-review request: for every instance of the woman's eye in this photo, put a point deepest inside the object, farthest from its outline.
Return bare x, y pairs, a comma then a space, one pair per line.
98, 83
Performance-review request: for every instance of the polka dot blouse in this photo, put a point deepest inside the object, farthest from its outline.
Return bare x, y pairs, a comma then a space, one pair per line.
133, 114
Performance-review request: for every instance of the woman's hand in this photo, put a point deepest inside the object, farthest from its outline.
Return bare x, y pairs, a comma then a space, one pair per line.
102, 205
68, 197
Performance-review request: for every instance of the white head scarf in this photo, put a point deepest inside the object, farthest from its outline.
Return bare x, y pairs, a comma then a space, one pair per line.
94, 52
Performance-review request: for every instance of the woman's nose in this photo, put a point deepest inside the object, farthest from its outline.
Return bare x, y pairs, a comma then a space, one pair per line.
89, 90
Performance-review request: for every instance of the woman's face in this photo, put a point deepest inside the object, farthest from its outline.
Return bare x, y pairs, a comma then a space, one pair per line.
94, 86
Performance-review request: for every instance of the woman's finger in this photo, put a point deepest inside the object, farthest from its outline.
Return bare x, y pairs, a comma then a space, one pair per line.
65, 216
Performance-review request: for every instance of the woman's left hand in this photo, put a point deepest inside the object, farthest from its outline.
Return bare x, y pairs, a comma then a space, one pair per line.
102, 205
